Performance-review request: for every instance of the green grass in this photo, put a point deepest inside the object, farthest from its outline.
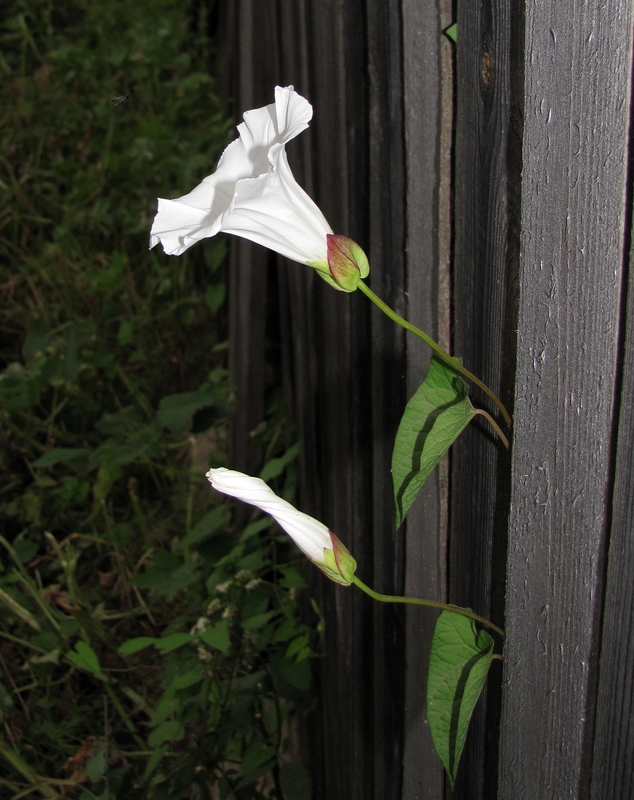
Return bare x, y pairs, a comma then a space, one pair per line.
149, 647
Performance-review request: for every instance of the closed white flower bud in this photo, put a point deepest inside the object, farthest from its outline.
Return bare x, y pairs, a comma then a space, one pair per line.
312, 537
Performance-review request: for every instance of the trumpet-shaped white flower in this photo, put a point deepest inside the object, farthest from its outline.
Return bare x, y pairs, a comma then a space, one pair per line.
253, 193
312, 537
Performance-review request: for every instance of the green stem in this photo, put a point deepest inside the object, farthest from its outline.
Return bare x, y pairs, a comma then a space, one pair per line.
435, 347
390, 598
22, 642
25, 770
126, 719
26, 579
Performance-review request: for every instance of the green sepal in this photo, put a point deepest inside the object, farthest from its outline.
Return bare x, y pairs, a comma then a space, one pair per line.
323, 272
338, 564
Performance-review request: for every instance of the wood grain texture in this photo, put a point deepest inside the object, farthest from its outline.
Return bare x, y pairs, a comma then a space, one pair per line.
428, 232
613, 757
344, 365
343, 458
388, 279
249, 265
247, 334
577, 67
328, 359
483, 336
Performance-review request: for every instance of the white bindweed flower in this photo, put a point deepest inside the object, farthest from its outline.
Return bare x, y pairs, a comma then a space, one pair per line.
253, 194
312, 537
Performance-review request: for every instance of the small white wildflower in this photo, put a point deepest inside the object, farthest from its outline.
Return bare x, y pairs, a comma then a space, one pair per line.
200, 626
214, 606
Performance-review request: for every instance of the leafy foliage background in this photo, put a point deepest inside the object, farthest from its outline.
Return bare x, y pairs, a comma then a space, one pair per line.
149, 645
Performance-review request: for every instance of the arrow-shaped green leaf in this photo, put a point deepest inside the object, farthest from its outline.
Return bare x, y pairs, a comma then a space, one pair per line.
217, 636
433, 420
84, 657
458, 665
452, 33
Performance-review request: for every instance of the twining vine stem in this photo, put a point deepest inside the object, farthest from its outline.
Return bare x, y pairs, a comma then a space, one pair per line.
436, 348
494, 425
389, 598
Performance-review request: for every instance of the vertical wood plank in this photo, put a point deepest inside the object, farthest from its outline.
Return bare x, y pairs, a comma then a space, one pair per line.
613, 761
387, 257
483, 337
332, 343
427, 236
247, 325
577, 67
248, 273
329, 334
342, 385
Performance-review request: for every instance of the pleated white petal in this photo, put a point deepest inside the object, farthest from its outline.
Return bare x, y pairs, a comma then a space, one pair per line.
253, 193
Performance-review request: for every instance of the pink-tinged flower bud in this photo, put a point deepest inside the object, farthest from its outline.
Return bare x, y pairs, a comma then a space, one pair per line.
312, 537
346, 261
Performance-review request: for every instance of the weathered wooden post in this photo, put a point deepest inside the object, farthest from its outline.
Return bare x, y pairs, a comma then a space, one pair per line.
564, 620
536, 303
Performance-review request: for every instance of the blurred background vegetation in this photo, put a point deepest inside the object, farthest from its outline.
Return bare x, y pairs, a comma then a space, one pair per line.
150, 646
